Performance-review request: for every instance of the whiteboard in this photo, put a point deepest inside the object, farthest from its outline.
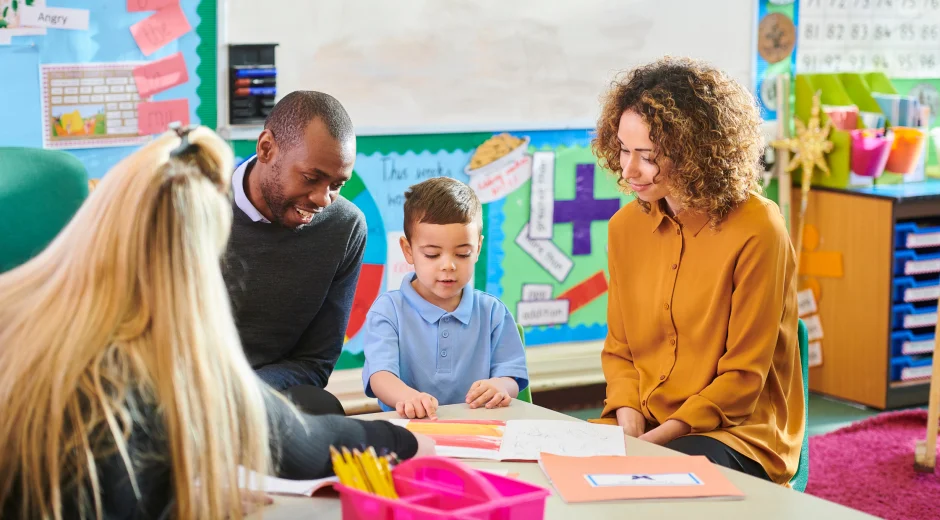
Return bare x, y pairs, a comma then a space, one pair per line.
432, 66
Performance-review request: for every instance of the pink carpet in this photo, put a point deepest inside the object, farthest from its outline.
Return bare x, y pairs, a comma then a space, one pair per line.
869, 466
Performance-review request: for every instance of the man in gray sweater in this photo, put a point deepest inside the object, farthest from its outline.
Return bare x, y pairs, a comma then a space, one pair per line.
296, 247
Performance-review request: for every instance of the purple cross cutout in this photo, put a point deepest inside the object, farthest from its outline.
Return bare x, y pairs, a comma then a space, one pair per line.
584, 210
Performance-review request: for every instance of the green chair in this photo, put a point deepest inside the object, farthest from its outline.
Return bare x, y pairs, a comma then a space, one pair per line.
525, 394
802, 471
40, 191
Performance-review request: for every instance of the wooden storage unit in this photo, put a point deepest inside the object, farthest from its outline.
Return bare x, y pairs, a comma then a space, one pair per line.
856, 309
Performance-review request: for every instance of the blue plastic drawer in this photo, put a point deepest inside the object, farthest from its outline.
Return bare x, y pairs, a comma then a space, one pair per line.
906, 368
906, 343
908, 263
907, 290
910, 235
906, 316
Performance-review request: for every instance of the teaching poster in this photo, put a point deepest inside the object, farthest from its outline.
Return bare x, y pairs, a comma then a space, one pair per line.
89, 105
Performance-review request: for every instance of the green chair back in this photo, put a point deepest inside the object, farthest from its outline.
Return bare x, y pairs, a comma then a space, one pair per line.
802, 471
40, 191
525, 394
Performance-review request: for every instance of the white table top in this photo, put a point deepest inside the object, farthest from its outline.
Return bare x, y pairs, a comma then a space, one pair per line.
764, 500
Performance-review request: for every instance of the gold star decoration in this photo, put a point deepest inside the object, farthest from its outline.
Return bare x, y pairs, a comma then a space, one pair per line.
810, 147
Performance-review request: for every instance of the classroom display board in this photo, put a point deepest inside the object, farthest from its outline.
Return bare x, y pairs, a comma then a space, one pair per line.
424, 66
547, 206
77, 65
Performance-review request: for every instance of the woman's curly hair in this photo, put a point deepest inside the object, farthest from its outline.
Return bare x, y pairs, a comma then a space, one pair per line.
701, 120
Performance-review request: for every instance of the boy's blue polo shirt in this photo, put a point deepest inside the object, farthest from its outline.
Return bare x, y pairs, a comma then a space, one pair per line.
439, 352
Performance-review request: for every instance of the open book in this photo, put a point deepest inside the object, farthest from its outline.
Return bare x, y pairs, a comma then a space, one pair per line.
518, 440
308, 488
281, 486
595, 479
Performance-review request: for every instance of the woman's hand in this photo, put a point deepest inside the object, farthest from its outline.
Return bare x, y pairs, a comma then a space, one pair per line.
253, 500
632, 421
667, 431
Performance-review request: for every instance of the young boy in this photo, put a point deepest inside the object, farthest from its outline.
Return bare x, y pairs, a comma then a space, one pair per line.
437, 340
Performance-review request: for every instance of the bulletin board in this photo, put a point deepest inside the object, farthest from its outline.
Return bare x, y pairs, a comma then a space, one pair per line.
106, 44
549, 187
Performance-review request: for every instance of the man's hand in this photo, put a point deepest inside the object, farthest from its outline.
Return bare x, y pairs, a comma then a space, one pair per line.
632, 421
420, 406
492, 393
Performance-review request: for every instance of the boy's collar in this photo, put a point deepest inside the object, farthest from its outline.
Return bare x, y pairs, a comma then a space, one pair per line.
432, 313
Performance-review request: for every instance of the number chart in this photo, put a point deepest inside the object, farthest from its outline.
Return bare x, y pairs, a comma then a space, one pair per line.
898, 37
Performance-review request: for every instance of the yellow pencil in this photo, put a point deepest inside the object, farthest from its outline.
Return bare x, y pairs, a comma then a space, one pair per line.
381, 474
357, 478
339, 467
385, 472
364, 471
370, 469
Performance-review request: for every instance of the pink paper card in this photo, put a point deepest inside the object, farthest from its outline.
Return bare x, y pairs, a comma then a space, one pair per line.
160, 75
136, 6
159, 29
155, 117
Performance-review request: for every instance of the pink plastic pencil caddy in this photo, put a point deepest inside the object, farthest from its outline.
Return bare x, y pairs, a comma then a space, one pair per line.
442, 488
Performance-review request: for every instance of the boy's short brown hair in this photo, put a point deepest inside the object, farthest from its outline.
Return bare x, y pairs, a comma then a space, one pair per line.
441, 200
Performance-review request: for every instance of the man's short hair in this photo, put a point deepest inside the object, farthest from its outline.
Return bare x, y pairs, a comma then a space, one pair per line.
290, 116
441, 200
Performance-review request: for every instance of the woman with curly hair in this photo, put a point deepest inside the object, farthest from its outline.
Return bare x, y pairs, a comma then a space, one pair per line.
701, 352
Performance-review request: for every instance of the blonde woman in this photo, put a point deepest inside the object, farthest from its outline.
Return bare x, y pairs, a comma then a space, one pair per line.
121, 373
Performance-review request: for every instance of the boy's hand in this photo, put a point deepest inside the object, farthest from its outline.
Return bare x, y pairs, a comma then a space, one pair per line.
488, 392
420, 406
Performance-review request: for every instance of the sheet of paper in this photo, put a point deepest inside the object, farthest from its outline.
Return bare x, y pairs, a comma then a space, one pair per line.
161, 75
134, 6
541, 313
280, 486
815, 354
527, 439
164, 26
53, 17
546, 254
89, 105
806, 301
155, 117
542, 200
522, 440
536, 292
813, 327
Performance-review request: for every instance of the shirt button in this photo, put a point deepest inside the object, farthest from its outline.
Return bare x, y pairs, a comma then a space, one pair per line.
666, 306
445, 334
446, 319
643, 403
443, 353
662, 378
675, 266
672, 342
678, 231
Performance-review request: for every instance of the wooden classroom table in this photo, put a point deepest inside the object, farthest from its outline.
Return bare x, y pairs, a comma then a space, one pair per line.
764, 500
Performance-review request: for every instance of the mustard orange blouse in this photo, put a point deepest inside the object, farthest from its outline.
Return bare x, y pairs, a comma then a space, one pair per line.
702, 327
